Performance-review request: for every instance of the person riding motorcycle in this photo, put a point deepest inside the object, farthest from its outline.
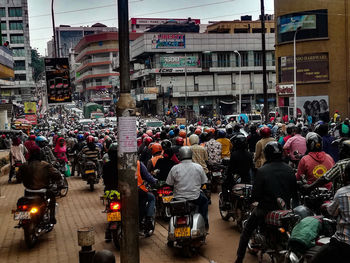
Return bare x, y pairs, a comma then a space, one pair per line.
179, 142
214, 149
91, 152
77, 149
338, 250
199, 154
226, 145
295, 144
37, 174
145, 151
259, 157
45, 151
275, 179
156, 150
316, 163
187, 179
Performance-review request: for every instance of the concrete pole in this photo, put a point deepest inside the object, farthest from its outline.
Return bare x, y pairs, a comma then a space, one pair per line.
53, 28
263, 47
127, 157
186, 112
295, 72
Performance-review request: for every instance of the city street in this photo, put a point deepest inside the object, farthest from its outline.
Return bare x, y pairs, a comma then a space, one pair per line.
82, 208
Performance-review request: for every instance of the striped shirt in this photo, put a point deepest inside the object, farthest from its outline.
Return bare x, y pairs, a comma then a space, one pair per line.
341, 207
337, 171
91, 155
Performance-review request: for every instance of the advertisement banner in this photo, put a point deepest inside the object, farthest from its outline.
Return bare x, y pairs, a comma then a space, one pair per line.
179, 61
283, 90
310, 68
168, 41
32, 119
30, 107
291, 23
59, 88
150, 90
315, 106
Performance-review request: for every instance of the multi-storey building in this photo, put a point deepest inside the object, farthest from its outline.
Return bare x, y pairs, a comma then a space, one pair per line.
15, 30
94, 75
205, 67
140, 25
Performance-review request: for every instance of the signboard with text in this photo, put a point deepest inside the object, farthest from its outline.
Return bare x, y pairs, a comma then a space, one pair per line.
168, 41
283, 90
30, 107
310, 68
179, 61
291, 23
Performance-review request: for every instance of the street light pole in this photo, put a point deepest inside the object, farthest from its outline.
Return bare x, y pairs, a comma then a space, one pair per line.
240, 82
295, 72
186, 112
53, 28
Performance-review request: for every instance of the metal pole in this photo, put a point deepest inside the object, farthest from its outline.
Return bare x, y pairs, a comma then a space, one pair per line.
240, 83
295, 73
263, 45
127, 157
186, 113
53, 28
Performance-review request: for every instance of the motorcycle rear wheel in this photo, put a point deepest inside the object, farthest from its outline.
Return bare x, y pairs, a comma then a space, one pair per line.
116, 237
64, 190
225, 215
92, 187
29, 235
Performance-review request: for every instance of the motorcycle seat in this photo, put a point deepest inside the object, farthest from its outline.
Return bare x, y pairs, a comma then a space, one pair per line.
40, 191
239, 188
276, 217
182, 207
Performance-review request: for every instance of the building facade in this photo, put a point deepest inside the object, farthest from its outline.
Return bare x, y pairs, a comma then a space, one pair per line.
140, 25
15, 30
205, 67
322, 32
93, 61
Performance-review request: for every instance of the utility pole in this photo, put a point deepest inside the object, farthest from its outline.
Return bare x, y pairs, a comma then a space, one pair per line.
53, 29
263, 44
127, 157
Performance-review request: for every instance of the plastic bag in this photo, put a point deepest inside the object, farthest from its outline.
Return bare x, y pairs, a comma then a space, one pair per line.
67, 173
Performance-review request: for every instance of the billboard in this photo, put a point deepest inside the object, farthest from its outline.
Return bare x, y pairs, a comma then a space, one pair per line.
179, 61
310, 68
291, 23
59, 88
30, 107
168, 41
315, 106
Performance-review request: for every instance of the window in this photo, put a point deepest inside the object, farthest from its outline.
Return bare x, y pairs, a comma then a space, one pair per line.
16, 25
2, 12
256, 30
272, 30
196, 88
15, 11
4, 39
207, 60
16, 39
244, 57
241, 30
258, 58
18, 52
223, 59
19, 77
273, 62
20, 65
3, 25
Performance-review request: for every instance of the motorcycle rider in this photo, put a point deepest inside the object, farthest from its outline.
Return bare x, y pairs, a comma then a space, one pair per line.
295, 144
45, 151
179, 142
91, 152
37, 174
338, 250
156, 149
275, 179
199, 154
187, 178
316, 163
226, 145
214, 149
259, 157
77, 149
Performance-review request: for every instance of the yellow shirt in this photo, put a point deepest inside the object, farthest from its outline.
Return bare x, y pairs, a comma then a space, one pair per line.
226, 147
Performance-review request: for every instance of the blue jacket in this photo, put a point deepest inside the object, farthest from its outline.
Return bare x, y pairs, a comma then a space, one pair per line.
329, 148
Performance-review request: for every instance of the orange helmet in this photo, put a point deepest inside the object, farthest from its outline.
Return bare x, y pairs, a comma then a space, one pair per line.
198, 131
182, 133
211, 130
156, 148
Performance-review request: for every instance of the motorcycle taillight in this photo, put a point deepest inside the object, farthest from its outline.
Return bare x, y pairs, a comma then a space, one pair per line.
115, 206
22, 207
181, 220
164, 191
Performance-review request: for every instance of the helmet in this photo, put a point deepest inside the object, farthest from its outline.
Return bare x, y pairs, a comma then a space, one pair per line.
273, 151
185, 153
40, 141
313, 142
344, 151
290, 128
80, 137
182, 133
203, 137
139, 141
179, 141
149, 133
239, 142
76, 131
166, 144
157, 136
265, 132
302, 211
211, 130
32, 137
198, 131
144, 136
171, 133
194, 139
147, 140
86, 134
221, 134
182, 127
192, 128
156, 148
113, 151
90, 139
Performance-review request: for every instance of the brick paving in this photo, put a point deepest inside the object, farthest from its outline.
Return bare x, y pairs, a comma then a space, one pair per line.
78, 209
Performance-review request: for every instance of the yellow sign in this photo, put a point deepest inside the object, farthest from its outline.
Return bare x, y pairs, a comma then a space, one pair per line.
30, 107
180, 121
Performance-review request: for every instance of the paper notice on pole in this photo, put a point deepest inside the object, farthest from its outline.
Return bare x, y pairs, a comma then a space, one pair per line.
127, 134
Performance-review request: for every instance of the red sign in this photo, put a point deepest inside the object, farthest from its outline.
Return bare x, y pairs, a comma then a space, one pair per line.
282, 90
32, 119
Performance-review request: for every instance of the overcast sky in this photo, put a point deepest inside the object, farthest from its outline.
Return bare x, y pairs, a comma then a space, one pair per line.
105, 11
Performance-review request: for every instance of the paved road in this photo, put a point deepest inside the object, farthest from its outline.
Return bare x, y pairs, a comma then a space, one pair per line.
83, 208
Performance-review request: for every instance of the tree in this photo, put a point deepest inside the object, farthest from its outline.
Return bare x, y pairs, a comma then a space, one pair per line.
37, 63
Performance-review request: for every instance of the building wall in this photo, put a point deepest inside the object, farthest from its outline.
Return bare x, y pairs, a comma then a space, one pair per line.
230, 26
337, 46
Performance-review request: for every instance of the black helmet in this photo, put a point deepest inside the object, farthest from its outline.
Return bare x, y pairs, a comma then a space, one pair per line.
273, 151
113, 151
185, 152
290, 128
344, 152
166, 144
239, 142
302, 211
203, 137
313, 142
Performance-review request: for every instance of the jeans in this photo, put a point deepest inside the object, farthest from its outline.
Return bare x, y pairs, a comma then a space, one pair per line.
335, 251
202, 203
147, 202
256, 218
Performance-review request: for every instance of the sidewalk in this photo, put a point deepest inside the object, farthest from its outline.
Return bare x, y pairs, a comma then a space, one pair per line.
78, 209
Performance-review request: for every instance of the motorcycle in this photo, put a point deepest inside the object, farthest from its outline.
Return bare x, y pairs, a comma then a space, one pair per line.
186, 227
90, 174
60, 190
216, 172
163, 195
33, 215
16, 166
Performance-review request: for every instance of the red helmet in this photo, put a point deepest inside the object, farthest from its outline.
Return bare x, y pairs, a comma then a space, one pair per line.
147, 140
182, 133
139, 141
149, 133
198, 131
3, 136
90, 139
76, 131
86, 134
144, 136
265, 132
156, 148
179, 141
32, 137
157, 136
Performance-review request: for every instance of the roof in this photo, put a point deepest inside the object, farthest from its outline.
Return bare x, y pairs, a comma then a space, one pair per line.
104, 36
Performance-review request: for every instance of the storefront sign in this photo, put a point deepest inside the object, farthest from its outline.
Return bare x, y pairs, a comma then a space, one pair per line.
178, 61
177, 70
291, 23
150, 90
30, 107
310, 68
168, 41
32, 119
283, 90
